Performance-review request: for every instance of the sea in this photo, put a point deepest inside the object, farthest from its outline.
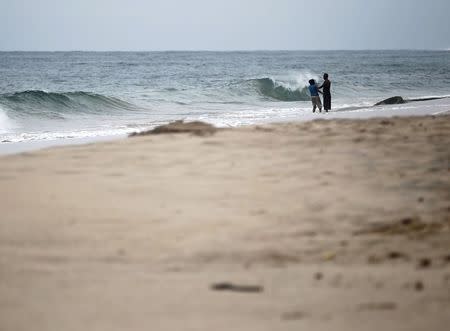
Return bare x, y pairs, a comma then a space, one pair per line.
50, 96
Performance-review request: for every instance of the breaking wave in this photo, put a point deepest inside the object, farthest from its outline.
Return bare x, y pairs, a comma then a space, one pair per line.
56, 105
273, 89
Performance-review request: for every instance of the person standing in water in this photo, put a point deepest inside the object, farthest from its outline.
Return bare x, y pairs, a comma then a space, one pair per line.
315, 98
326, 85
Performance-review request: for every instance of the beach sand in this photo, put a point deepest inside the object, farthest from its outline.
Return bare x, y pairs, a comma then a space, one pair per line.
322, 225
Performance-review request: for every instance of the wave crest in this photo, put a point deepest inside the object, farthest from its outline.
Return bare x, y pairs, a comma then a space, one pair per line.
55, 105
279, 91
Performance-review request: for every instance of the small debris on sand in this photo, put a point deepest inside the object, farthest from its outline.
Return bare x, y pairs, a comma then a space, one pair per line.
236, 288
377, 306
293, 315
373, 259
424, 263
406, 226
418, 286
386, 122
396, 255
446, 279
318, 276
329, 256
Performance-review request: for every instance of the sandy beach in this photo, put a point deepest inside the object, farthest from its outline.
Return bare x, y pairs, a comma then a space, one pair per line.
338, 224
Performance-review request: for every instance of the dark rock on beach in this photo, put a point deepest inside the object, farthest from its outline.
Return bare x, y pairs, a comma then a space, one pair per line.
391, 101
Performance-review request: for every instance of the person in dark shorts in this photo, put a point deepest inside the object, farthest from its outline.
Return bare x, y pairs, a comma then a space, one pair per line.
315, 98
326, 86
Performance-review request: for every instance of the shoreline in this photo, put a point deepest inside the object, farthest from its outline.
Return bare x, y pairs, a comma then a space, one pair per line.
328, 224
11, 148
428, 106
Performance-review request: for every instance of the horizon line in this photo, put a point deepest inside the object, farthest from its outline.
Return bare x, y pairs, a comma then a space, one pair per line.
226, 51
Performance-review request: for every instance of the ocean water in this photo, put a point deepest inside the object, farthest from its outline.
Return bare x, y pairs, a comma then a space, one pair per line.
59, 95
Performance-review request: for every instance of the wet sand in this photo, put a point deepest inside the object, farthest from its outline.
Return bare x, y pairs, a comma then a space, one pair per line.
337, 224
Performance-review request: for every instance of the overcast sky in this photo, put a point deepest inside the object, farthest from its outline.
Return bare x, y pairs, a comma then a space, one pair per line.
223, 25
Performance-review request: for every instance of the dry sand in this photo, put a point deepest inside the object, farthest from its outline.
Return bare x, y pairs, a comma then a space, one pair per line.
325, 225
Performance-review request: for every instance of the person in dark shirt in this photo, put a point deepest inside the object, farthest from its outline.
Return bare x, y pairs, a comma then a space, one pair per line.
326, 86
315, 98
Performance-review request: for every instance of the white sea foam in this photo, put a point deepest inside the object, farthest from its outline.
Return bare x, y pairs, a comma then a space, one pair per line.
50, 136
297, 79
6, 124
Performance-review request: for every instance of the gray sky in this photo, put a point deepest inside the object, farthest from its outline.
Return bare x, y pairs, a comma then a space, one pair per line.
223, 25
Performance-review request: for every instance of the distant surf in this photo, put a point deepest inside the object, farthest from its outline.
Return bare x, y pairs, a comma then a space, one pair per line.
55, 105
